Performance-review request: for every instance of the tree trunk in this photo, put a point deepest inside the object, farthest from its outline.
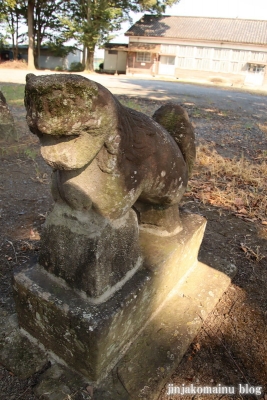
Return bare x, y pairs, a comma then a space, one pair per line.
17, 37
30, 34
89, 64
38, 38
13, 34
84, 53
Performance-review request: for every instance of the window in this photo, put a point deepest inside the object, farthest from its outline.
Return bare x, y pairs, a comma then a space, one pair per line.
181, 51
189, 51
225, 54
235, 55
167, 60
205, 65
258, 56
143, 57
256, 69
180, 62
243, 55
113, 52
217, 54
224, 66
203, 52
199, 53
234, 67
168, 48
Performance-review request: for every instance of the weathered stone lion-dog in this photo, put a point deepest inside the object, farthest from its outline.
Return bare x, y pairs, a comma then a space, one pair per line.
106, 156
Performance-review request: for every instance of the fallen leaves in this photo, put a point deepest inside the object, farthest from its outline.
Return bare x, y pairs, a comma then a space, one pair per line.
236, 185
252, 254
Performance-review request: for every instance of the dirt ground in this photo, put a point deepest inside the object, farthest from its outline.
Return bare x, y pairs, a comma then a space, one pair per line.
231, 348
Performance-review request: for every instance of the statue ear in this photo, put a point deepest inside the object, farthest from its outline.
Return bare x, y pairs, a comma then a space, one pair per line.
29, 76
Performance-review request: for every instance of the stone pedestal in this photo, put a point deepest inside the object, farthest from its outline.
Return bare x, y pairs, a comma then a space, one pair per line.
92, 254
155, 354
89, 337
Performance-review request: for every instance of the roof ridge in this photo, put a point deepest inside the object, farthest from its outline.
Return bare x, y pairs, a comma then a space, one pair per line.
233, 30
198, 17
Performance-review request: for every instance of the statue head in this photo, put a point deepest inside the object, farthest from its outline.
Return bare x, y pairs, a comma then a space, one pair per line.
68, 114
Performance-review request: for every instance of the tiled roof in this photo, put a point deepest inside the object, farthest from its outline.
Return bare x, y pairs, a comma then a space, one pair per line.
201, 28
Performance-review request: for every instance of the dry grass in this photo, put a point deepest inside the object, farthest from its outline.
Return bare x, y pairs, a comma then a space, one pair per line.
14, 64
263, 128
252, 254
237, 185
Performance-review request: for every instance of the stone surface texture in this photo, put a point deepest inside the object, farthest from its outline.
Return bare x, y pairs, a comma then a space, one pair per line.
118, 293
91, 337
17, 353
153, 357
107, 160
7, 126
106, 253
106, 156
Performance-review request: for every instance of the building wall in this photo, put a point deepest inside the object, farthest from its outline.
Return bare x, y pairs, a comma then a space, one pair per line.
142, 62
76, 56
51, 62
47, 61
196, 59
115, 61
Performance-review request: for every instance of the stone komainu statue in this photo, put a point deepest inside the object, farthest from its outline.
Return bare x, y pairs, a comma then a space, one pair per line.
106, 156
114, 236
7, 125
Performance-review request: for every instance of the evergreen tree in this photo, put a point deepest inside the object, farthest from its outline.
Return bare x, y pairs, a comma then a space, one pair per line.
93, 21
11, 18
89, 22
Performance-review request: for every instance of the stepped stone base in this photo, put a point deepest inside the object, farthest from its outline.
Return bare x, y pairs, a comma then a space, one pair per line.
154, 356
141, 333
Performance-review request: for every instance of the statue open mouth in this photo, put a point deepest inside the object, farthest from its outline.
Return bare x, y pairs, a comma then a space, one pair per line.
61, 111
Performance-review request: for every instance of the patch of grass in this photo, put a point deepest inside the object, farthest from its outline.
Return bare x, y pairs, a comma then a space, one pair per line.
14, 93
238, 185
30, 153
24, 148
197, 113
131, 103
248, 126
145, 107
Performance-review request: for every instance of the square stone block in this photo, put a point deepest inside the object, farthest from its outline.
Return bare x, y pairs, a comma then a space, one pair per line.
91, 253
91, 338
153, 357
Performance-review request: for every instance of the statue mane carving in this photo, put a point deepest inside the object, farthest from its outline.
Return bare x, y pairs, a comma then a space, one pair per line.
106, 156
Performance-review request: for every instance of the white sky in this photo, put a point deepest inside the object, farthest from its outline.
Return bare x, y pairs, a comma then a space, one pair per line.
248, 9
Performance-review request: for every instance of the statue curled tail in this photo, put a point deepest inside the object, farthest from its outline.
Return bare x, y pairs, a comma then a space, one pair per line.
175, 120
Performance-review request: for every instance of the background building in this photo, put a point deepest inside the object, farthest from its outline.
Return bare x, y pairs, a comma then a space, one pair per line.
47, 59
199, 47
115, 58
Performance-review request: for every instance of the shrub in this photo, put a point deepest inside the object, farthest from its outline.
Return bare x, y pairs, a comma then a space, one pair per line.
76, 67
